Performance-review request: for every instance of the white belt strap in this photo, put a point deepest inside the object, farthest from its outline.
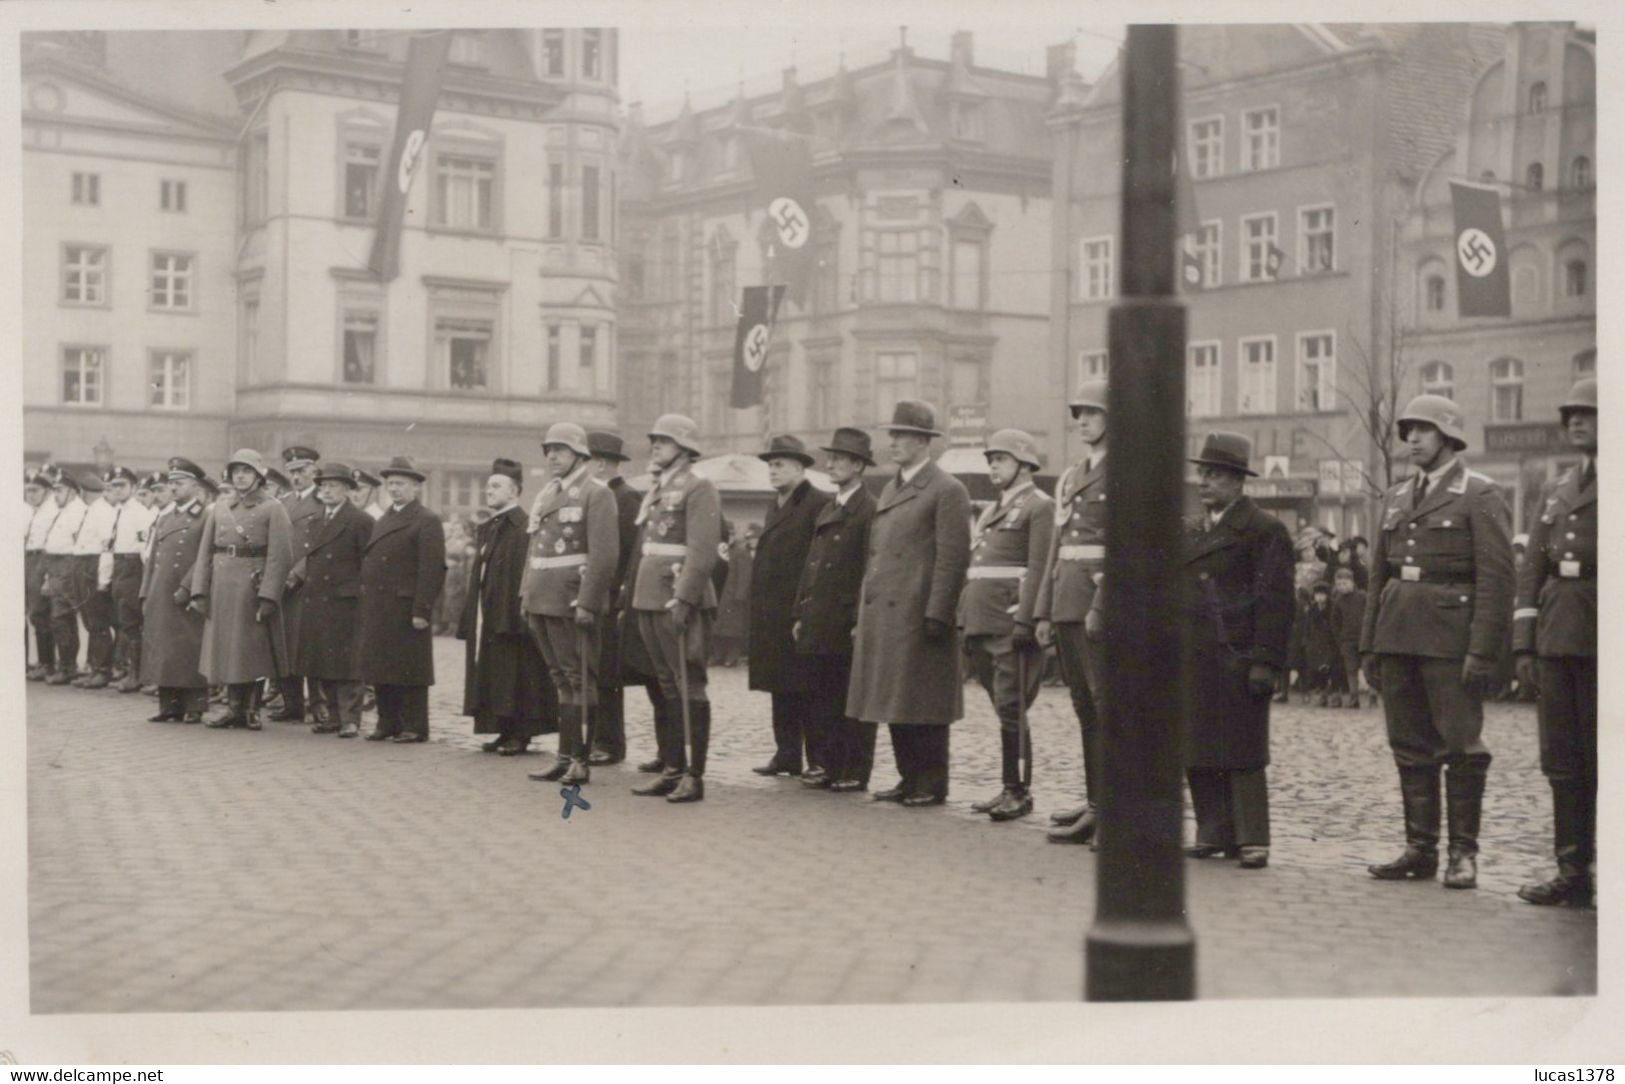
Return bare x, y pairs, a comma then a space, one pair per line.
569, 560
665, 549
995, 572
1082, 553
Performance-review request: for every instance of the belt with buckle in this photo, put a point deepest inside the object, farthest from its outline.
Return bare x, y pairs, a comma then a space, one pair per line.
665, 549
241, 551
1082, 553
569, 560
1418, 574
996, 572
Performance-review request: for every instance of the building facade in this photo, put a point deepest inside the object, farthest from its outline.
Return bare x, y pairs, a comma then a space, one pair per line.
1528, 127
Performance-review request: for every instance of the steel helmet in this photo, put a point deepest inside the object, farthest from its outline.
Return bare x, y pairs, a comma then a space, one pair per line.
570, 435
1437, 411
1016, 444
681, 430
1091, 393
1583, 396
249, 458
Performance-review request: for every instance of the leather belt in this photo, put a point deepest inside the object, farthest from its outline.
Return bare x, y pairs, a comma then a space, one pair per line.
1418, 574
665, 549
1082, 553
569, 560
126, 557
995, 572
241, 551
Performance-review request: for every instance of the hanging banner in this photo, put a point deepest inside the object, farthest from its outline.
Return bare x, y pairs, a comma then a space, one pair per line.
420, 89
757, 310
1483, 286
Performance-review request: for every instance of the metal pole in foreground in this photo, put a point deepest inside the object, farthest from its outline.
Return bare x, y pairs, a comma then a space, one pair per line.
1140, 947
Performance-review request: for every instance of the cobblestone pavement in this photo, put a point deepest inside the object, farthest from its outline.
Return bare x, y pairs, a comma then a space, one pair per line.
175, 868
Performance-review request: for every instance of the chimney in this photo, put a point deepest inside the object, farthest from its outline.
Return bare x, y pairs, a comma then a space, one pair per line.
960, 49
1059, 60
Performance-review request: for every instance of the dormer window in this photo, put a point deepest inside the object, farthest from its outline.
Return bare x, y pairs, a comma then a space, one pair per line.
966, 120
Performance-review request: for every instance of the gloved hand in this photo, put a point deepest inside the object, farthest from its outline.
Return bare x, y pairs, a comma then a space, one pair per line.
1094, 625
420, 623
681, 613
1368, 664
1261, 680
585, 618
199, 605
182, 597
1477, 673
1044, 633
935, 631
264, 610
1528, 676
1022, 639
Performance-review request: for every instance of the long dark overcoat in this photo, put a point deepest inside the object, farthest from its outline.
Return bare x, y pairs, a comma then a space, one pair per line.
304, 517
236, 647
827, 598
503, 672
623, 660
781, 554
919, 549
171, 634
1238, 600
330, 627
401, 577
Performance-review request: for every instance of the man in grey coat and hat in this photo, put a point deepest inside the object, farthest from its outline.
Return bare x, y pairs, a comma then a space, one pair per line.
906, 654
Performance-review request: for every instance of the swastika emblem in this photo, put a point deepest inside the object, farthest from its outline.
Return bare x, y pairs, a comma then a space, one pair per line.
1476, 252
756, 347
790, 220
409, 158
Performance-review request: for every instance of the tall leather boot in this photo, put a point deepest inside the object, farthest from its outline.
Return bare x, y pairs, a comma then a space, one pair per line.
670, 774
131, 681
252, 697
1464, 801
1010, 770
1419, 790
692, 786
234, 713
578, 772
1572, 885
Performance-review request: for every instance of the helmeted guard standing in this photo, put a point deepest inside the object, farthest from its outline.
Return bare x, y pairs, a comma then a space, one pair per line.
305, 512
62, 584
36, 603
1070, 608
171, 631
680, 527
1009, 544
329, 644
621, 660
1440, 601
574, 547
1554, 633
132, 526
237, 584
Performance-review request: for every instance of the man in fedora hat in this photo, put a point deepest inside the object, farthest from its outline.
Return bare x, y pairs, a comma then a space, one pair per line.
171, 632
305, 511
826, 611
401, 577
906, 652
43, 511
1239, 602
1437, 613
1555, 638
1010, 542
781, 553
505, 684
680, 525
243, 559
574, 547
621, 660
92, 579
132, 525
1070, 608
61, 584
327, 650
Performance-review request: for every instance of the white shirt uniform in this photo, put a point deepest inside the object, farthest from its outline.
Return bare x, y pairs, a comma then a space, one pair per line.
39, 524
135, 522
59, 541
96, 533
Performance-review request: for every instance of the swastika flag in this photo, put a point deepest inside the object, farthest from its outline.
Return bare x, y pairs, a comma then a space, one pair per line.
757, 311
782, 163
426, 55
1483, 287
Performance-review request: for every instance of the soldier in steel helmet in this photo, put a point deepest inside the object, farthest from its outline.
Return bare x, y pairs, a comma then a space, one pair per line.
1009, 545
1440, 598
1555, 640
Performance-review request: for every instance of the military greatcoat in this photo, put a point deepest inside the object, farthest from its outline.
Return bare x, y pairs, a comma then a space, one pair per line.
171, 634
243, 557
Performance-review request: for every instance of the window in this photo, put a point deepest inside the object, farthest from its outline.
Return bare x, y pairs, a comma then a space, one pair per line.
1207, 147
553, 53
1258, 375
1261, 144
1534, 178
588, 359
464, 348
1092, 365
462, 492
723, 252
82, 375
1575, 280
1095, 280
250, 346
1260, 257
87, 189
172, 196
171, 281
1203, 385
589, 203
730, 154
361, 165
1580, 172
364, 39
467, 48
1203, 247
555, 199
84, 274
827, 281
1585, 364
360, 347
463, 188
965, 287
169, 385
966, 119
256, 179
1317, 229
677, 166
1537, 97
1317, 371
823, 398
1506, 390
896, 377
898, 261
1439, 378
965, 381
1433, 293
555, 356
592, 54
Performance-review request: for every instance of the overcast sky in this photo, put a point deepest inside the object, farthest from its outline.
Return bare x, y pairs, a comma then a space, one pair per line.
659, 63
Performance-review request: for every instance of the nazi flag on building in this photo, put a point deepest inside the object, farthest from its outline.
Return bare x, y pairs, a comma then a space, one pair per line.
757, 311
1483, 286
783, 167
426, 56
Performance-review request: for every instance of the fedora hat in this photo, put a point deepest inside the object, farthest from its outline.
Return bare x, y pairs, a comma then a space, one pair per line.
1228, 450
606, 446
852, 442
913, 416
403, 465
273, 475
332, 471
786, 446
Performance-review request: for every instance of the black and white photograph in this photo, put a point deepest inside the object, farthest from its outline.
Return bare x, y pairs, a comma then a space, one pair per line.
903, 514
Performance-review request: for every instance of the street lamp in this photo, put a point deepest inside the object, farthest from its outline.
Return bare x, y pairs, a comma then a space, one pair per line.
1140, 947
